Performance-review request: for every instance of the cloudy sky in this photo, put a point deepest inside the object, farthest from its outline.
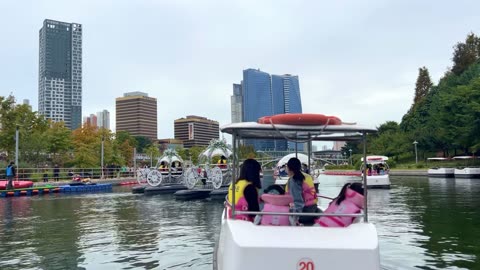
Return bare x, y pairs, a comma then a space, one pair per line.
355, 59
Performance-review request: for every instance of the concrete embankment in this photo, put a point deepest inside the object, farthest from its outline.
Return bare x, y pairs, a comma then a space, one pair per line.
114, 182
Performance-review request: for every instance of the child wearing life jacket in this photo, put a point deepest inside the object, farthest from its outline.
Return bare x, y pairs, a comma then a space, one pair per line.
349, 201
275, 200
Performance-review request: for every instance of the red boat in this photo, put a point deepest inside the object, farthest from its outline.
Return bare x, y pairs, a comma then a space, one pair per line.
16, 184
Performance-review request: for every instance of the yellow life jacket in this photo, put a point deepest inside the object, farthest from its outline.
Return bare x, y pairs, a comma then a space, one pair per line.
239, 188
308, 190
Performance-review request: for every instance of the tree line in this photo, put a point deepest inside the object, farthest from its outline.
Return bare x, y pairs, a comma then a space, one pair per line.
444, 118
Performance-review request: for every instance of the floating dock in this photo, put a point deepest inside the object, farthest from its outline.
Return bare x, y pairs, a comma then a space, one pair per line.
29, 191
168, 189
86, 188
192, 194
218, 194
51, 189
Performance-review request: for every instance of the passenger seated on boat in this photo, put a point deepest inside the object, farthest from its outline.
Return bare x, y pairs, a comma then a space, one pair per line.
275, 200
222, 162
349, 201
300, 186
246, 194
282, 172
163, 166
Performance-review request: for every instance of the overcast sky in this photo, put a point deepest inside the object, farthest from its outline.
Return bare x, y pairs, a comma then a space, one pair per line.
355, 59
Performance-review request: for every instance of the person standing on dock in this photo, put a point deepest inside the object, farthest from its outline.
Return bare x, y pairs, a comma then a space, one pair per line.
56, 173
10, 173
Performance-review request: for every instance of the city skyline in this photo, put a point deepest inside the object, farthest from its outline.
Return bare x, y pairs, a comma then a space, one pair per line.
352, 56
265, 94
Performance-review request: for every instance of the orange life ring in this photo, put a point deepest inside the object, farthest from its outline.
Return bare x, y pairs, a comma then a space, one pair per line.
300, 119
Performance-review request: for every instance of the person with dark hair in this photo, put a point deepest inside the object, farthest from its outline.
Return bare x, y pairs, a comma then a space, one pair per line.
301, 187
222, 162
56, 173
10, 173
350, 200
246, 194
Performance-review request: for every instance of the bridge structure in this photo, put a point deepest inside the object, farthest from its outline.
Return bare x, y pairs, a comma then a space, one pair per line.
269, 158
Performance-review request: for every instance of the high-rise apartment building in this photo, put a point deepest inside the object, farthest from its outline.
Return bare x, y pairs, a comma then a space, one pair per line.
196, 130
264, 95
60, 72
103, 119
136, 113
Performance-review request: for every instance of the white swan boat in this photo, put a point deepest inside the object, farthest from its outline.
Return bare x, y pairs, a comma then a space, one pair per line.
242, 245
377, 174
442, 172
467, 171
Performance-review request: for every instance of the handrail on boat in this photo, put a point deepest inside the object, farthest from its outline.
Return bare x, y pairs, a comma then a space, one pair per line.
298, 214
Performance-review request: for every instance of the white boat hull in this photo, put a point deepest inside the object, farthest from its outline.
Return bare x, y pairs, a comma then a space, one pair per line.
378, 181
467, 172
243, 245
441, 172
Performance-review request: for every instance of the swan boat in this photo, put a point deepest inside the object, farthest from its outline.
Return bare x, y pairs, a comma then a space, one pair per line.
377, 174
243, 245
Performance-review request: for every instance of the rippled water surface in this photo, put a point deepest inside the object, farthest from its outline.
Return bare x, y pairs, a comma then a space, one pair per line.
422, 224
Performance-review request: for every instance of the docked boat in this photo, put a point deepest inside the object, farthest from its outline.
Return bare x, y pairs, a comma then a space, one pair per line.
280, 173
442, 172
377, 172
467, 171
243, 245
169, 170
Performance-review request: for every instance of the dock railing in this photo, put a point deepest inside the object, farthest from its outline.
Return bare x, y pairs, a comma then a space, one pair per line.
50, 174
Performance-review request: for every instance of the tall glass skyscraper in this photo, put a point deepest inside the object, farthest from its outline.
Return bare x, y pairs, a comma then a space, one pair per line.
60, 72
265, 95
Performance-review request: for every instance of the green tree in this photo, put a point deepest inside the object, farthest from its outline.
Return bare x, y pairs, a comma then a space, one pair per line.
153, 152
465, 54
142, 143
422, 86
59, 141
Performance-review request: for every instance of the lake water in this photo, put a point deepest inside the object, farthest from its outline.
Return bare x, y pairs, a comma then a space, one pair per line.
422, 224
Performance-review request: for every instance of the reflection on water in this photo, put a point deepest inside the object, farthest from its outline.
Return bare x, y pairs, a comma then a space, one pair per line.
422, 224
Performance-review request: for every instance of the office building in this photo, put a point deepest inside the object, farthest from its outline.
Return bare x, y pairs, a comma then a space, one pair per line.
136, 113
264, 95
103, 119
60, 72
196, 130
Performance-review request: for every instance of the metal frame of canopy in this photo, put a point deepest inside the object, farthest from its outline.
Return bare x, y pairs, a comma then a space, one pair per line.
297, 134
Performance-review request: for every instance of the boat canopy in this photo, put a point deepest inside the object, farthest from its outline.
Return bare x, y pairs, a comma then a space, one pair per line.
375, 159
170, 156
302, 157
464, 157
216, 147
437, 158
253, 130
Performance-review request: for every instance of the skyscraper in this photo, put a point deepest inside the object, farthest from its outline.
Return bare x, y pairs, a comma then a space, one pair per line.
136, 113
103, 119
196, 130
60, 72
263, 95
236, 103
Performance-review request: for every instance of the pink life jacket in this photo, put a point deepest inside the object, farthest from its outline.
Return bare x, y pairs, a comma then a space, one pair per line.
352, 204
276, 203
309, 193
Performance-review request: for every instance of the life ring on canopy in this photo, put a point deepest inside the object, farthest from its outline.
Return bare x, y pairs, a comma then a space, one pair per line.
300, 119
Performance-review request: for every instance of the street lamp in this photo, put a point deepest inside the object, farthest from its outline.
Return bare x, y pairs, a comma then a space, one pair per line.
351, 161
103, 140
416, 156
16, 146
